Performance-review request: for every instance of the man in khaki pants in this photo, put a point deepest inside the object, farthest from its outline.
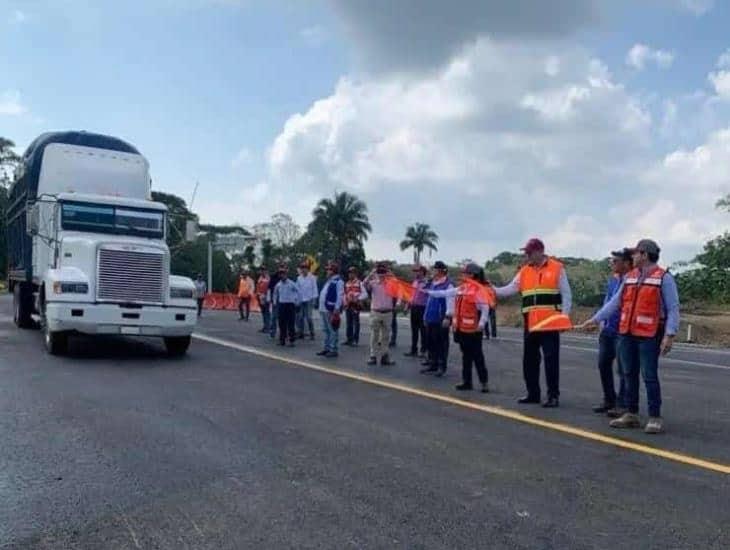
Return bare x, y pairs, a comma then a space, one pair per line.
381, 312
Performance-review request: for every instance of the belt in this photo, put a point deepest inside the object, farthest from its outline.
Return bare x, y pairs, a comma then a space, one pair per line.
383, 310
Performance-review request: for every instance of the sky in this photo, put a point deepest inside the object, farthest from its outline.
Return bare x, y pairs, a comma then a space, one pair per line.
587, 123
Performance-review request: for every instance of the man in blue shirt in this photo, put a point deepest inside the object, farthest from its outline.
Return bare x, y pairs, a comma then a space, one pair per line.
286, 298
613, 405
331, 300
649, 305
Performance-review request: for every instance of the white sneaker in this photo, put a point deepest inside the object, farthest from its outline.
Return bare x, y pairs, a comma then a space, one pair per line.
628, 420
655, 425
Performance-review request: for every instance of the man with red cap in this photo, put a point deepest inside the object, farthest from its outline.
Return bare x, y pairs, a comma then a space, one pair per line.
545, 290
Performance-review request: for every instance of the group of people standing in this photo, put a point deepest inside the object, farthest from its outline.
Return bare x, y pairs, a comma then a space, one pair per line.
638, 321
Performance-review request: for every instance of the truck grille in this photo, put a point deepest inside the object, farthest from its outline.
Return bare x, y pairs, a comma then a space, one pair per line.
130, 276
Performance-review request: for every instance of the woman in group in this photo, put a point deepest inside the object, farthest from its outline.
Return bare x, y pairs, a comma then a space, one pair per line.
469, 316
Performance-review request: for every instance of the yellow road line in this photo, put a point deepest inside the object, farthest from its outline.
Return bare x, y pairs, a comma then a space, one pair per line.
489, 409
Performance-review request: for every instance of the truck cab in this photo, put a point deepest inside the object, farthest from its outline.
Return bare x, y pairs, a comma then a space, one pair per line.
87, 245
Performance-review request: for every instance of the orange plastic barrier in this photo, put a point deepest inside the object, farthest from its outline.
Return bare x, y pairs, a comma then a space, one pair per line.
226, 301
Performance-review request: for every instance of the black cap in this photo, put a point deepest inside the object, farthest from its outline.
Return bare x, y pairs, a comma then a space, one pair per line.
648, 246
623, 254
472, 269
440, 265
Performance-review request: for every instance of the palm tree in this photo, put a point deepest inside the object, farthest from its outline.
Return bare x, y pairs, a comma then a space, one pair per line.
419, 237
343, 219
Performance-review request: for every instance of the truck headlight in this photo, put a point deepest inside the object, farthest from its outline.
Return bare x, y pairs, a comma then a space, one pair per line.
70, 288
181, 293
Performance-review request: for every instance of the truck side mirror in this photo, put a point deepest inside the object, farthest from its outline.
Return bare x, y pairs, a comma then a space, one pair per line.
33, 219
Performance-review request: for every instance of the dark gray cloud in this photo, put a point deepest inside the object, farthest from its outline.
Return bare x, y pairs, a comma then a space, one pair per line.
421, 34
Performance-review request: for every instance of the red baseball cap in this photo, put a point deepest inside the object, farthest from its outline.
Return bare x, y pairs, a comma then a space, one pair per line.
534, 245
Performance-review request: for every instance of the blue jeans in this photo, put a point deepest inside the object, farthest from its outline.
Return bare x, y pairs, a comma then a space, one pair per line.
331, 336
265, 315
641, 355
304, 314
607, 351
273, 320
393, 329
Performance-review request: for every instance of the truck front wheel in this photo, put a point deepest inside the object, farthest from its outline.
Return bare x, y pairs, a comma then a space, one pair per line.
22, 305
177, 346
56, 342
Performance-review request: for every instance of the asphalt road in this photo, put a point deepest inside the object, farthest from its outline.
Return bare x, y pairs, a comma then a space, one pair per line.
247, 445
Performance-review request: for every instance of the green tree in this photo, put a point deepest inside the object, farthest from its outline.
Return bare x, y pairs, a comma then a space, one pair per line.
724, 203
178, 216
709, 281
420, 237
8, 162
340, 224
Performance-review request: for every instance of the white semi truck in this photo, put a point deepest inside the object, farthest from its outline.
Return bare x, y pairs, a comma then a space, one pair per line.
86, 245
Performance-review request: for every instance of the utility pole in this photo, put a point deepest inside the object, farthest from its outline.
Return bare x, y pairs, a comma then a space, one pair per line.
210, 264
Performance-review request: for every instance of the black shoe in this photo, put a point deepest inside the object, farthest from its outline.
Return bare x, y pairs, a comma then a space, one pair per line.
602, 408
485, 388
372, 361
464, 387
551, 403
300, 335
426, 363
440, 373
322, 353
391, 344
385, 361
291, 344
528, 399
331, 354
311, 336
410, 354
281, 343
428, 370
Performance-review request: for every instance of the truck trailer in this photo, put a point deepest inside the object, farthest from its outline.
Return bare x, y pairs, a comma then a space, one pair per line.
87, 245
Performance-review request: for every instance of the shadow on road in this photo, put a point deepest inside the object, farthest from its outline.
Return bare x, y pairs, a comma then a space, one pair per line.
117, 348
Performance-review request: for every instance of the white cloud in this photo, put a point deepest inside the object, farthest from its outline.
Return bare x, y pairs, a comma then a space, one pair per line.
697, 7
486, 166
720, 81
640, 55
314, 36
243, 157
420, 35
18, 17
723, 62
10, 104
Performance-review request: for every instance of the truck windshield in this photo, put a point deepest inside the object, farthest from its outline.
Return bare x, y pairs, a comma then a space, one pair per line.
118, 220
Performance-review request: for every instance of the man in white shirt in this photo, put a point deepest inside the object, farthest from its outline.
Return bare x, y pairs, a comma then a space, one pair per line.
307, 284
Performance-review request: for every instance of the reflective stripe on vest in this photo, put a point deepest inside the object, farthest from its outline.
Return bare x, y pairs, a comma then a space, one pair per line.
641, 304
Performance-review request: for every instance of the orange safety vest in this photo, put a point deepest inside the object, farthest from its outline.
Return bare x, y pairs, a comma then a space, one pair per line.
245, 285
466, 314
353, 289
262, 287
641, 303
540, 291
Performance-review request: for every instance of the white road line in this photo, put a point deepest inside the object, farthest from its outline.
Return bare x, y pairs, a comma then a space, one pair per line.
664, 359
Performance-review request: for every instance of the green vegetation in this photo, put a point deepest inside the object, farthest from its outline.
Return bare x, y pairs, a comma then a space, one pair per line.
340, 227
420, 237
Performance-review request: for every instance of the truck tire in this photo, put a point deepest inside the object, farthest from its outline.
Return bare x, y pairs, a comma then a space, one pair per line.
177, 346
56, 342
22, 305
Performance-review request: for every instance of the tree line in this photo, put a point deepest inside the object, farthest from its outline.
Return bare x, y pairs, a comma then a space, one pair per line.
339, 229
